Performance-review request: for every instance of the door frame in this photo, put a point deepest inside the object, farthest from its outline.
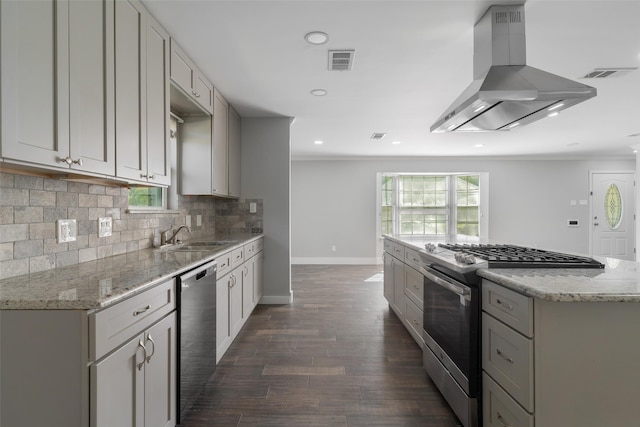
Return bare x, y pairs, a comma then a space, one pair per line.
591, 213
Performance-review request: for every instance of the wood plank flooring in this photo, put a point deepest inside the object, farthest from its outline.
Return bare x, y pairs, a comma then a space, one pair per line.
337, 356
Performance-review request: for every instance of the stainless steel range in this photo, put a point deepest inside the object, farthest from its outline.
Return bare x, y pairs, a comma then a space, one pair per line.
451, 324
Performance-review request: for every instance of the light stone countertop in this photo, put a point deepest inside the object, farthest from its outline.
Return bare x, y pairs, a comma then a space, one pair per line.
619, 281
97, 284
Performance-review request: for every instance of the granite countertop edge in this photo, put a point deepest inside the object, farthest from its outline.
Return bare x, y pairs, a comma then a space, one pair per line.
98, 284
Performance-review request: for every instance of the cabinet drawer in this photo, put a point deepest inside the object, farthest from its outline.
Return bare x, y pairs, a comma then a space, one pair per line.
413, 320
118, 323
237, 257
412, 257
499, 409
508, 357
388, 246
414, 284
398, 251
510, 307
250, 249
224, 263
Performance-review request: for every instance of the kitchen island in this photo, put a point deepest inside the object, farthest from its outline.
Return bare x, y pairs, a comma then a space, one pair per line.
559, 346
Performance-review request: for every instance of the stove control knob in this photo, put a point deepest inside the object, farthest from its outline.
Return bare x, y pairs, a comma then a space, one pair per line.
464, 258
430, 247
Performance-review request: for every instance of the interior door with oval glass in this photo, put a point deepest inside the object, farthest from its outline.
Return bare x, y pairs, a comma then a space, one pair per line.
613, 215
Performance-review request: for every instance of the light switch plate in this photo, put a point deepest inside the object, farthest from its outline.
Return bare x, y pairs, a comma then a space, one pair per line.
105, 226
66, 230
252, 207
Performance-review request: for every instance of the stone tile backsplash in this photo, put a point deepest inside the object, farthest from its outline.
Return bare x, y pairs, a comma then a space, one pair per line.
30, 206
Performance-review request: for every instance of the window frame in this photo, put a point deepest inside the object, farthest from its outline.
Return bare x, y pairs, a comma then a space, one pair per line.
451, 209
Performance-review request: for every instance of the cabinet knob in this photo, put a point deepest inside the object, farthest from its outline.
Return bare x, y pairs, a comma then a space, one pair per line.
68, 160
147, 176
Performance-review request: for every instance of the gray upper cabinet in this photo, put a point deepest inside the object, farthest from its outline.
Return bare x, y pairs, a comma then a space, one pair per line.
220, 144
57, 62
234, 153
187, 77
142, 95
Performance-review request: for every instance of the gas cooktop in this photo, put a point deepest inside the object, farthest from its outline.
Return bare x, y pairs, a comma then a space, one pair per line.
512, 256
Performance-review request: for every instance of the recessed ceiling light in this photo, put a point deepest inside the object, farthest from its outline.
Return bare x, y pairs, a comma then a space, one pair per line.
316, 37
318, 142
555, 107
480, 108
395, 142
555, 113
479, 145
318, 92
512, 125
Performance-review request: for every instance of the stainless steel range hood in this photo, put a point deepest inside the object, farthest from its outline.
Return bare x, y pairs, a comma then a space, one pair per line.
506, 93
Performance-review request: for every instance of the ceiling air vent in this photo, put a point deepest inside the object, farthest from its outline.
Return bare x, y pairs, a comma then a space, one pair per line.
378, 136
341, 60
601, 73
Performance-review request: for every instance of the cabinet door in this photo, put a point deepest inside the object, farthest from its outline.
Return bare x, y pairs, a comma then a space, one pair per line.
160, 374
117, 384
130, 90
258, 286
235, 302
157, 101
220, 145
223, 332
35, 81
389, 293
398, 286
91, 86
203, 91
182, 69
247, 273
234, 153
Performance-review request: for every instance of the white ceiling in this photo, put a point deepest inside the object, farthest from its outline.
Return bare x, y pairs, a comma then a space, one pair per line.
412, 59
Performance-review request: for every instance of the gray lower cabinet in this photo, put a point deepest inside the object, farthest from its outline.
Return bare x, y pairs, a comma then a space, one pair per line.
57, 72
238, 290
403, 286
135, 385
78, 368
548, 363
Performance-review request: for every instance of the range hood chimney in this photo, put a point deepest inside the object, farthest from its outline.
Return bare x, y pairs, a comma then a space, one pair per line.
506, 93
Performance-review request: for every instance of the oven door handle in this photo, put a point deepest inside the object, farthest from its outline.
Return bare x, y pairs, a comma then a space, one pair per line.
453, 287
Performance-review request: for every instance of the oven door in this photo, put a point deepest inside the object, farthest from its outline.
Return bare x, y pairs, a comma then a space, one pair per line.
451, 322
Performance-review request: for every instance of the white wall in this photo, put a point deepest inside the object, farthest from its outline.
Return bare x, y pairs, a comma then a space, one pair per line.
266, 174
334, 202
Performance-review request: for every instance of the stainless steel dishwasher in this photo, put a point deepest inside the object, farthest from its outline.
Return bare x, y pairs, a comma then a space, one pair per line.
196, 333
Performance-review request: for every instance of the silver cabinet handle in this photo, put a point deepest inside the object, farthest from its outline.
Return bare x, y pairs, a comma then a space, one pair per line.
68, 160
142, 310
501, 420
148, 358
505, 305
141, 364
147, 176
504, 356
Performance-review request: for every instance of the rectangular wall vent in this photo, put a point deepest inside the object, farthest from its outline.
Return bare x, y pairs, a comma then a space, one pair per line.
341, 60
601, 73
378, 135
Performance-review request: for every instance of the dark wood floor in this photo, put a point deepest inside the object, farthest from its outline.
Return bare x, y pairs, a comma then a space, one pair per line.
337, 356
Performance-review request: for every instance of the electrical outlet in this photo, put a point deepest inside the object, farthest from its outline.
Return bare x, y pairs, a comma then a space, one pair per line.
105, 226
66, 230
333, 248
252, 207
187, 220
199, 220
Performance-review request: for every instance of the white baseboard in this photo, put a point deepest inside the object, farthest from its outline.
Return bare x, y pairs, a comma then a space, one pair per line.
336, 261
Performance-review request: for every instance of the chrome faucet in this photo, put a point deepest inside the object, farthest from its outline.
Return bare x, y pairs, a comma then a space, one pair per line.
172, 239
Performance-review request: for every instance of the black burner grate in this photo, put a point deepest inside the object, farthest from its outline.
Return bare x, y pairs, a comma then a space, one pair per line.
511, 256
